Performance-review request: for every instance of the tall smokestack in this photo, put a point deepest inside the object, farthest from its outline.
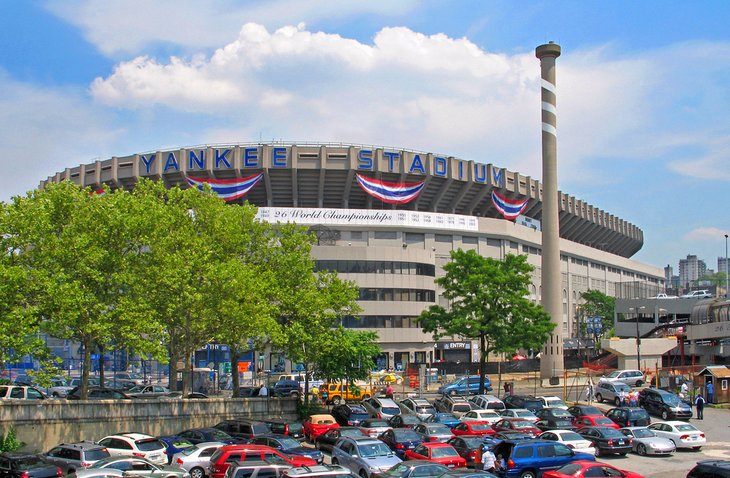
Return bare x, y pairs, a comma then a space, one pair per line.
551, 363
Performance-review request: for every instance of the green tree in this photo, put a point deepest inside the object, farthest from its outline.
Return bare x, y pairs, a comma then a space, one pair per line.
597, 304
489, 303
347, 355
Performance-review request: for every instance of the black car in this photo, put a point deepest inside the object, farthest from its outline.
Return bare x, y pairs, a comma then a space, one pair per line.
25, 465
401, 439
413, 469
283, 426
607, 440
523, 401
243, 428
288, 446
664, 404
349, 415
629, 416
710, 469
98, 393
466, 446
286, 388
327, 440
546, 424
202, 435
584, 410
404, 421
554, 414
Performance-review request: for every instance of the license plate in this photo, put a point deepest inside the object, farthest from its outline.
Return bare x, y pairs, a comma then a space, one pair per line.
450, 465
693, 438
621, 442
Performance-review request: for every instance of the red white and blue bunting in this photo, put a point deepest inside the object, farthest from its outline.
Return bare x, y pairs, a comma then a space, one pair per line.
391, 193
228, 189
510, 208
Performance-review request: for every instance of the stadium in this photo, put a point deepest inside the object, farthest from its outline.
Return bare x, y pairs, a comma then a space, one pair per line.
387, 219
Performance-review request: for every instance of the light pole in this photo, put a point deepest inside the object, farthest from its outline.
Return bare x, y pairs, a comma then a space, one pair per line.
727, 277
638, 337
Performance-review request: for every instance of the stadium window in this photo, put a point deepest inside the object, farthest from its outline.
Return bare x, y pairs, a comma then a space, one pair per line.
470, 240
494, 242
444, 238
386, 235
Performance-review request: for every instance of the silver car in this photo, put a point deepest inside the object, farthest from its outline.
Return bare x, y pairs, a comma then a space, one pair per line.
614, 392
646, 442
96, 473
363, 456
196, 459
140, 467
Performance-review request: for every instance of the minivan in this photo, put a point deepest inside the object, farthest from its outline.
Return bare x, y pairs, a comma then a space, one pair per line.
468, 385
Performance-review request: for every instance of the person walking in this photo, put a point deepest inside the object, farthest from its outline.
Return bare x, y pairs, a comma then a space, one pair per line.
389, 391
710, 391
700, 405
489, 461
589, 391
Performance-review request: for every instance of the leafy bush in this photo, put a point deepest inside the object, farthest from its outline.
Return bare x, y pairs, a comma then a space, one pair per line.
9, 442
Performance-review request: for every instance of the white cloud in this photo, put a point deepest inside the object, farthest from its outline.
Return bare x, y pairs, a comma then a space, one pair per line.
705, 234
128, 26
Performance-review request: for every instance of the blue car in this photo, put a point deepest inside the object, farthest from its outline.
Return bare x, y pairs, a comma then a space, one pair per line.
174, 444
531, 458
446, 418
401, 439
468, 385
288, 446
201, 435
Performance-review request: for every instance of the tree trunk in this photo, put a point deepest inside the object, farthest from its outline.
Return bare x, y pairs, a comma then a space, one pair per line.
86, 342
236, 379
101, 365
482, 361
306, 384
186, 385
172, 385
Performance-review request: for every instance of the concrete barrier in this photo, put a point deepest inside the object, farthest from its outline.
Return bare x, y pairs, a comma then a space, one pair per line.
44, 424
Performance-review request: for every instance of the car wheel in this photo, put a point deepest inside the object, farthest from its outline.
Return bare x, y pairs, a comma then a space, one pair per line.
639, 383
56, 395
641, 449
363, 474
599, 398
197, 472
335, 462
617, 401
365, 397
697, 448
622, 454
528, 474
337, 400
665, 415
295, 395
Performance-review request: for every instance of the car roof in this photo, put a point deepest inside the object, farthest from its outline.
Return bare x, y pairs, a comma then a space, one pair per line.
84, 445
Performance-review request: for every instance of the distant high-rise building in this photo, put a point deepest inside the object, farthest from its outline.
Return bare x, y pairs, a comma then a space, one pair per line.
668, 271
722, 264
690, 270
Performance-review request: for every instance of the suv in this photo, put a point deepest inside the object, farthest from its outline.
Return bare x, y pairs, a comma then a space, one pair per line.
286, 388
327, 471
697, 294
487, 402
255, 469
364, 456
457, 406
340, 392
283, 426
69, 457
710, 469
227, 455
136, 444
349, 415
381, 407
418, 407
665, 404
20, 392
468, 385
523, 401
243, 428
629, 417
533, 457
633, 378
614, 392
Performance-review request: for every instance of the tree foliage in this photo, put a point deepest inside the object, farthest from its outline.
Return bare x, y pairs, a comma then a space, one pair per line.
347, 355
488, 302
597, 304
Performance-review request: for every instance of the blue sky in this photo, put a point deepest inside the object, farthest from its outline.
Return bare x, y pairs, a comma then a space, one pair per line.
643, 91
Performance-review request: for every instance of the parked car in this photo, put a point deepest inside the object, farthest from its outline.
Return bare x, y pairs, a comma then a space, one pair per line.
552, 402
455, 405
373, 427
710, 468
136, 378
97, 473
256, 469
137, 445
473, 428
243, 428
466, 446
315, 425
589, 468
468, 385
682, 434
444, 418
404, 421
530, 458
594, 421
523, 401
434, 432
174, 444
519, 413
545, 424
98, 393
59, 387
554, 413
286, 388
487, 402
629, 416
20, 392
288, 446
418, 407
197, 458
225, 455
633, 378
584, 410
25, 465
152, 391
381, 407
73, 456
607, 440
400, 440
488, 416
646, 442
665, 404
349, 414
319, 471
140, 467
337, 393
571, 439
517, 424
327, 440
414, 469
441, 453
614, 392
202, 435
697, 294
284, 426
364, 456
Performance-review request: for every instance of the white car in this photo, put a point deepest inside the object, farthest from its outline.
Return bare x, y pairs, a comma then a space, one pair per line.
196, 459
136, 444
488, 416
683, 434
662, 295
553, 402
697, 294
487, 402
519, 413
570, 439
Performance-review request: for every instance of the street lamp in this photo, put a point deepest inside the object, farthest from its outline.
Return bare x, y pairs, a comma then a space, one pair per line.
727, 277
638, 337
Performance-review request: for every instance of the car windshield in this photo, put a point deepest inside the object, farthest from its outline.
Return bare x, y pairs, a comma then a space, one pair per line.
375, 423
472, 442
446, 417
672, 400
611, 432
570, 436
289, 443
524, 413
644, 433
391, 410
634, 414
374, 449
461, 407
591, 411
400, 469
28, 462
563, 423
613, 374
180, 443
686, 428
149, 444
406, 434
560, 412
603, 421
622, 387
555, 402
136, 389
219, 435
443, 452
96, 454
478, 426
521, 424
350, 432
425, 409
438, 430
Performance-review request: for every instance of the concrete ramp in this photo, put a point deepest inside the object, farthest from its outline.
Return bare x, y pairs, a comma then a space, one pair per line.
651, 351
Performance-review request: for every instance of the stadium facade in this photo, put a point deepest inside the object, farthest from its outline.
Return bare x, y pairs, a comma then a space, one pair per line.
387, 219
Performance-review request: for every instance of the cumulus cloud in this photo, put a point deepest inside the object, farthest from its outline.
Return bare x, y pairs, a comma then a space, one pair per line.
705, 234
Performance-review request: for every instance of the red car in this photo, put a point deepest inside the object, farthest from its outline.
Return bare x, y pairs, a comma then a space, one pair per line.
517, 425
316, 425
473, 428
594, 421
226, 455
580, 469
441, 453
